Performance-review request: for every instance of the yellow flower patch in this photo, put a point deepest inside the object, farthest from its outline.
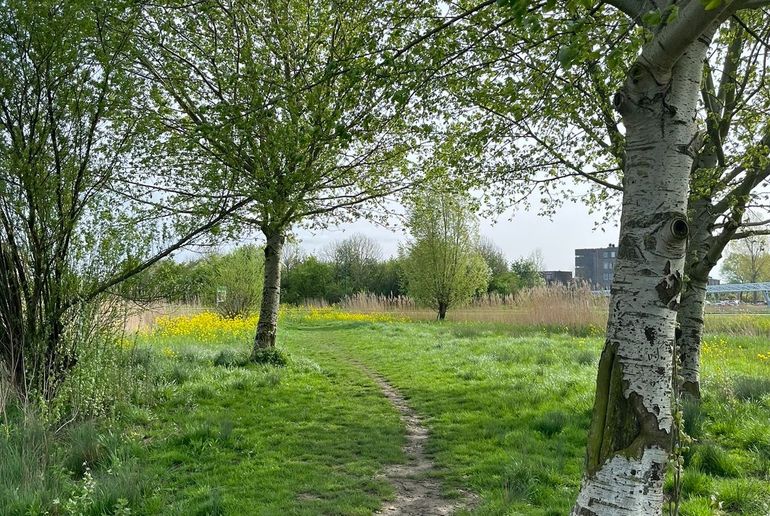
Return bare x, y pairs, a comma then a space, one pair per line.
204, 326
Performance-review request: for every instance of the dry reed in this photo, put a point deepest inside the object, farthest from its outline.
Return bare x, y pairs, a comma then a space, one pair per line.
546, 307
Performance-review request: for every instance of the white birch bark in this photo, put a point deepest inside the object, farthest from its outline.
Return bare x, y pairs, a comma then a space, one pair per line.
630, 436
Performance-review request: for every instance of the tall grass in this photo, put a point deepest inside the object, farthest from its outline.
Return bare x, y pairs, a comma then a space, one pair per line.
554, 307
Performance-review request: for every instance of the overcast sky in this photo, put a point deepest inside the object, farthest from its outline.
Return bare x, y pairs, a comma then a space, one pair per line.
572, 227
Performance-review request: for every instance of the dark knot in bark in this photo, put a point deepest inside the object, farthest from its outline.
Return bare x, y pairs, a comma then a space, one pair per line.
669, 287
679, 228
620, 102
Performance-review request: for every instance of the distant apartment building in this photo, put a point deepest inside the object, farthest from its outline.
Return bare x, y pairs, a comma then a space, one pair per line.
713, 281
556, 277
596, 266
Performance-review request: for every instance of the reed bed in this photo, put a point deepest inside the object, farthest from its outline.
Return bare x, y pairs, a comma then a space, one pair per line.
551, 308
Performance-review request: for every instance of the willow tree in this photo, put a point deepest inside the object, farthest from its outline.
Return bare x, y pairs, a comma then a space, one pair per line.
69, 229
441, 263
304, 107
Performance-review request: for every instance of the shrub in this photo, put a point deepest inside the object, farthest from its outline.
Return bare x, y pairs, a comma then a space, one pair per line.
240, 273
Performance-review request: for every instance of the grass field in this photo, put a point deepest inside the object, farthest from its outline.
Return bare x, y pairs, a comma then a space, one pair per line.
507, 412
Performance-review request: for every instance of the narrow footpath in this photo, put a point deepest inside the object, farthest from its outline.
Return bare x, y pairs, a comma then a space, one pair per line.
417, 492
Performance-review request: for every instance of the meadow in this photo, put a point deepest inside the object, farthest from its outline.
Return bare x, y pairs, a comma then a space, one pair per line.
199, 430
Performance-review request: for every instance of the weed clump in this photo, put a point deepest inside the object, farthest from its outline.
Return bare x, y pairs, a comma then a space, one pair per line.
551, 423
748, 388
694, 417
230, 358
744, 496
585, 357
86, 450
710, 458
270, 356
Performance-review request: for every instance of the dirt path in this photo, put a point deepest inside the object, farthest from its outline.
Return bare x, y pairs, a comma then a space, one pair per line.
417, 494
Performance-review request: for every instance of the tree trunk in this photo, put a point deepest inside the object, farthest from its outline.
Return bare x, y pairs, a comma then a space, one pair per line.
442, 311
631, 429
691, 326
271, 293
698, 265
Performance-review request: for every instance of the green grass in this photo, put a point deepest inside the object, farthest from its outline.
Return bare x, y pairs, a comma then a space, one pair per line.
210, 433
508, 415
307, 438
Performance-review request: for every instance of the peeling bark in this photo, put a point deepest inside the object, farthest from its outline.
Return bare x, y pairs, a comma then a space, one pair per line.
271, 293
631, 427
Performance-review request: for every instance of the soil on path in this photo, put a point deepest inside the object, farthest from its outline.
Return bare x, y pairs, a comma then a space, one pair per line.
417, 493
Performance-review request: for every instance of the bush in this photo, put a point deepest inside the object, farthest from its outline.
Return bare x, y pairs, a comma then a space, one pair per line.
269, 356
240, 273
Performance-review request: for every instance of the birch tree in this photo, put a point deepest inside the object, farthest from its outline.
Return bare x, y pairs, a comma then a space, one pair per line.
302, 106
577, 151
631, 428
652, 53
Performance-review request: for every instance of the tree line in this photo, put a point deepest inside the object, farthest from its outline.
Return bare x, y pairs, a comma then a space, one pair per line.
439, 266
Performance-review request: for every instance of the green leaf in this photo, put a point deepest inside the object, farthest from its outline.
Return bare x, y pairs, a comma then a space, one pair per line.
652, 18
709, 5
566, 56
673, 14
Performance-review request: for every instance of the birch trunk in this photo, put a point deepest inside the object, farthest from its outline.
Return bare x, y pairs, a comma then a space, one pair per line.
631, 428
690, 316
271, 293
